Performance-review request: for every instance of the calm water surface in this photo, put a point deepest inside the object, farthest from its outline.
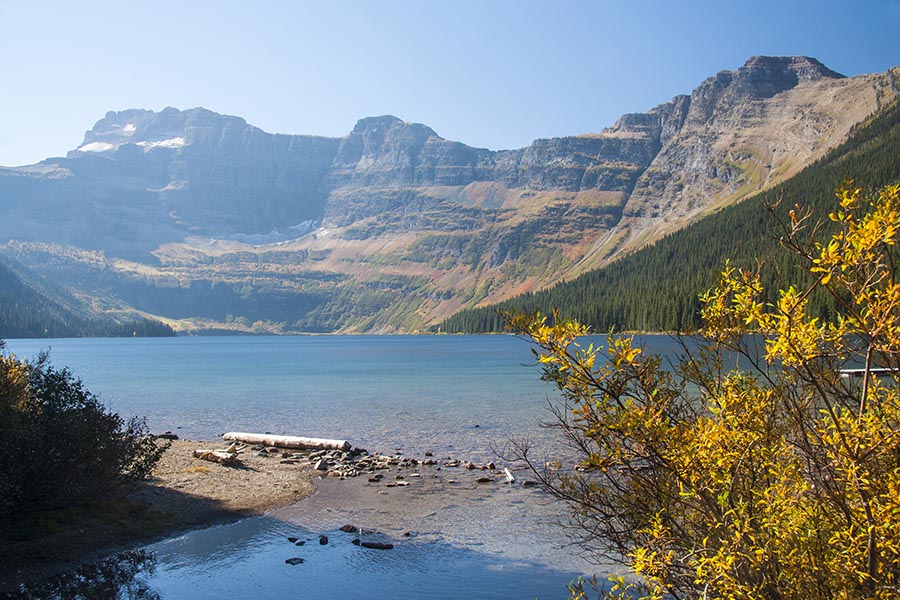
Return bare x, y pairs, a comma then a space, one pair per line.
455, 396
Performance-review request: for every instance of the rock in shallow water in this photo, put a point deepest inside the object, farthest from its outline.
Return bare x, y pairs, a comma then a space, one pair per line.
374, 545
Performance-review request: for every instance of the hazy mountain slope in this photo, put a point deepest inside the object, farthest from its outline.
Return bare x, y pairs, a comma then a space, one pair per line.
204, 219
30, 308
743, 131
657, 288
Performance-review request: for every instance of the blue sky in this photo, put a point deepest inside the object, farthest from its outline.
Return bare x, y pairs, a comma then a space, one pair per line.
493, 74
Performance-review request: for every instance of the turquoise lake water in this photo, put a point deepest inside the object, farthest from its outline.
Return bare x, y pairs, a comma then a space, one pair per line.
454, 396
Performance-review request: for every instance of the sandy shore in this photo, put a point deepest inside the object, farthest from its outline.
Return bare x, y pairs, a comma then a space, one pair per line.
197, 492
184, 493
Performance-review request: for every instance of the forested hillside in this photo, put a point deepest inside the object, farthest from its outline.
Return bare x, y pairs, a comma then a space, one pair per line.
27, 310
656, 289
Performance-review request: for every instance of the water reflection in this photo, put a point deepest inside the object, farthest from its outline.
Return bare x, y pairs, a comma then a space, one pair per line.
116, 577
274, 558
255, 561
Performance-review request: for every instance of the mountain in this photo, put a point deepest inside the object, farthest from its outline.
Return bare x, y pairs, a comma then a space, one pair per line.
658, 287
206, 220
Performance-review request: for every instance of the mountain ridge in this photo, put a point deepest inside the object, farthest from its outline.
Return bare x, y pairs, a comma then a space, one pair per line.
177, 197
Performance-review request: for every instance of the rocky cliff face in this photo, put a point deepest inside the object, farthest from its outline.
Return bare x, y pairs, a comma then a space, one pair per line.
385, 164
740, 132
142, 178
394, 211
216, 174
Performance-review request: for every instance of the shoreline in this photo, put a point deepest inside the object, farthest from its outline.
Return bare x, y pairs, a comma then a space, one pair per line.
183, 494
187, 494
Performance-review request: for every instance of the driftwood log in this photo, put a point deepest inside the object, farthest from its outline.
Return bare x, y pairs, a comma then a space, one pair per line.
287, 441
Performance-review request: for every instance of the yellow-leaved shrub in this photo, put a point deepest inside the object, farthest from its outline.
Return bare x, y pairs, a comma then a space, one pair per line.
750, 467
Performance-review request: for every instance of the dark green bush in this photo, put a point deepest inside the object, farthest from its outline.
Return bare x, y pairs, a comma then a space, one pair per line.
59, 446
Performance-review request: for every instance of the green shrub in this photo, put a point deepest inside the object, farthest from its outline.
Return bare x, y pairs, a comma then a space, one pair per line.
59, 446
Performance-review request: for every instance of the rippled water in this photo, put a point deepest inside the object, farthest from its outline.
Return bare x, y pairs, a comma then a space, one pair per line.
440, 393
455, 396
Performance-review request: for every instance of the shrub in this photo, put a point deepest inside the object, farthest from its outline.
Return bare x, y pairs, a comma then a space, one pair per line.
59, 446
768, 478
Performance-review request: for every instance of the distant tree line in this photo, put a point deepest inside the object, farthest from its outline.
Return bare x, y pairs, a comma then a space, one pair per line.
656, 288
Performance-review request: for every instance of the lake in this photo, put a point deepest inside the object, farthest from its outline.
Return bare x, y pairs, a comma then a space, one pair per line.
454, 396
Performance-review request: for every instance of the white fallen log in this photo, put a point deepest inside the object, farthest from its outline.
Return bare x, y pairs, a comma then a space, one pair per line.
220, 456
287, 441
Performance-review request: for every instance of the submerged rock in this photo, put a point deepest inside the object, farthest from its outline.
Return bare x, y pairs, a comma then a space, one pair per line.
377, 545
373, 545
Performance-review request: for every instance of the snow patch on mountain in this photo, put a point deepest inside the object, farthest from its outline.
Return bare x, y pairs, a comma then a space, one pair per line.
175, 142
97, 147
